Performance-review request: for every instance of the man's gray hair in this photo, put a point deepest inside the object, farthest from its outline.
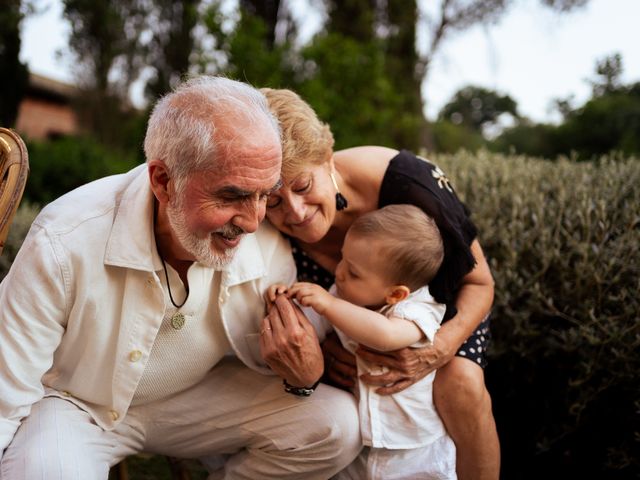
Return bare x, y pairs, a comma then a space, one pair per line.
184, 128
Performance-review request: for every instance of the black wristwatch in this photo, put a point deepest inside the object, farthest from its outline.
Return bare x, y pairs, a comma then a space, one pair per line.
300, 391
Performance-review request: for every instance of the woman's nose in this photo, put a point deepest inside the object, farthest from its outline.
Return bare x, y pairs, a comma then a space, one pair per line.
297, 210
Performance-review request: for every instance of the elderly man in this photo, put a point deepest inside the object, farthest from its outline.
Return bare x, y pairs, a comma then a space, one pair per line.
130, 318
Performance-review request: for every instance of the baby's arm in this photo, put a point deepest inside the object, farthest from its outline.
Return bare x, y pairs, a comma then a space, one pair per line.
272, 292
365, 326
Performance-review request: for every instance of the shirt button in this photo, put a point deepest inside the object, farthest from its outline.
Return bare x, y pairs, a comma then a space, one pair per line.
135, 355
150, 281
114, 415
64, 393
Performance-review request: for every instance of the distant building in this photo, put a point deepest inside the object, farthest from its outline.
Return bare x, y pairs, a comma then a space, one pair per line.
46, 111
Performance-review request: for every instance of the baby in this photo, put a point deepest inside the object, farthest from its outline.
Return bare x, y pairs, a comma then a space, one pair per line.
381, 300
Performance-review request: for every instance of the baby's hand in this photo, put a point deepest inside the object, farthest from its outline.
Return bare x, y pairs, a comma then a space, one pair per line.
272, 292
311, 295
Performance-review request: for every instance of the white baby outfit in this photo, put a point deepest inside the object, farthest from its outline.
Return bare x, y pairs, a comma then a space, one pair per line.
404, 433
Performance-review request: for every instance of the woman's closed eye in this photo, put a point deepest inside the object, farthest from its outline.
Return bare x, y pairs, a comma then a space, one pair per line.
303, 187
273, 201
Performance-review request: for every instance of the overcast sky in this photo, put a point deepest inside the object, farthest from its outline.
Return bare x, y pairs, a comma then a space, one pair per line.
533, 54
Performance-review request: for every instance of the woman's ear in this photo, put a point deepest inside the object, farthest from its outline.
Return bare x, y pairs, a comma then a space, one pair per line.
396, 294
159, 180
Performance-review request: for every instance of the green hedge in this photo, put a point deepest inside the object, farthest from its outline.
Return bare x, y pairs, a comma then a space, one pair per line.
17, 232
61, 165
562, 239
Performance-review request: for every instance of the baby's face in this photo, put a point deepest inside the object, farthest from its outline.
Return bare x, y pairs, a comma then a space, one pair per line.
360, 274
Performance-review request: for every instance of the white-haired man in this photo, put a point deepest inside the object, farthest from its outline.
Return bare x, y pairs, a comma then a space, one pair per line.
129, 320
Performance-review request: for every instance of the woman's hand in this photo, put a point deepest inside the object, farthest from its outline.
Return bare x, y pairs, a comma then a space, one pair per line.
339, 364
407, 365
289, 344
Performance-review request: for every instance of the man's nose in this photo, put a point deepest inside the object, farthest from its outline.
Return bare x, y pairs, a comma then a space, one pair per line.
251, 214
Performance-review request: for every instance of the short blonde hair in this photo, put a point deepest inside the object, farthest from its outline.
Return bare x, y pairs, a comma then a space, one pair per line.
411, 249
305, 139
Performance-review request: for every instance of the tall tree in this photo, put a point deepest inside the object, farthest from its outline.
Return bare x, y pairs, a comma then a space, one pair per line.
393, 25
172, 24
250, 50
15, 75
104, 40
608, 75
477, 108
354, 19
268, 11
398, 25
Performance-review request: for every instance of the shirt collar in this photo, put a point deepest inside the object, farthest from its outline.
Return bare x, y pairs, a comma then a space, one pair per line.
132, 242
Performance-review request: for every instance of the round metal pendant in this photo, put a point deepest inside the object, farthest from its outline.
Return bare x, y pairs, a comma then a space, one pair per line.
177, 321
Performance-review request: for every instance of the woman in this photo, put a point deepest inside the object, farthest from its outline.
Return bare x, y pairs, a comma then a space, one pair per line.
322, 194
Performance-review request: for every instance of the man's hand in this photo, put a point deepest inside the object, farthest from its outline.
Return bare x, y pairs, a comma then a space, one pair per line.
340, 365
311, 295
289, 344
407, 365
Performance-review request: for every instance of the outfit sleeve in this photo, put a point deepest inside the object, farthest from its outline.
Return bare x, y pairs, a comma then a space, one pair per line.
424, 311
33, 316
413, 180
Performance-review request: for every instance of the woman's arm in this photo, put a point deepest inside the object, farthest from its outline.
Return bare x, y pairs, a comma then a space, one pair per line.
473, 303
407, 366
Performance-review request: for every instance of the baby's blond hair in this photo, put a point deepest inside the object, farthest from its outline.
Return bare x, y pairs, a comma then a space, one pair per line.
411, 249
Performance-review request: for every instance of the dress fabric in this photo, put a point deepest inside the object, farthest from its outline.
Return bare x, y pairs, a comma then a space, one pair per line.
412, 180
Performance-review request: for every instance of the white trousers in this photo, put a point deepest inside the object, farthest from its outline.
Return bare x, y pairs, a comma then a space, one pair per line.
436, 461
264, 432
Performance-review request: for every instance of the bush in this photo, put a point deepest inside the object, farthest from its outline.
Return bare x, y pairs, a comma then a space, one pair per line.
61, 165
17, 232
562, 241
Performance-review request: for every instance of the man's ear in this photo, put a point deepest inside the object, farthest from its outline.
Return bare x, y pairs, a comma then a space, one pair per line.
396, 294
159, 180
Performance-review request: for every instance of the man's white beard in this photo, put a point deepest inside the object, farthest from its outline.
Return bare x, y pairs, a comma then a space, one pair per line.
200, 248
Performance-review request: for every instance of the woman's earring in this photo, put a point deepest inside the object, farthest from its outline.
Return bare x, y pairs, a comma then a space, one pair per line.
341, 202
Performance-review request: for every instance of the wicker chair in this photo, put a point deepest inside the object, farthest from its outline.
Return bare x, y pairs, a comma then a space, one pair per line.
14, 169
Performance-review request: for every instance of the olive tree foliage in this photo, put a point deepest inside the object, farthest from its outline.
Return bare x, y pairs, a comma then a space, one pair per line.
104, 37
608, 75
607, 122
171, 25
159, 41
394, 25
14, 77
105, 50
245, 45
477, 108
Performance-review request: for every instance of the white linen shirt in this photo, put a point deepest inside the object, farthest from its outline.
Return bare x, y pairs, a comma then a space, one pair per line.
82, 304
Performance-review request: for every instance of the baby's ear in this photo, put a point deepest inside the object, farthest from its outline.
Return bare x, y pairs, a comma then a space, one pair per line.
396, 294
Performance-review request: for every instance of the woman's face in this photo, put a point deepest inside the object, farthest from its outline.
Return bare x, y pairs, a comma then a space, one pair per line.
305, 206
